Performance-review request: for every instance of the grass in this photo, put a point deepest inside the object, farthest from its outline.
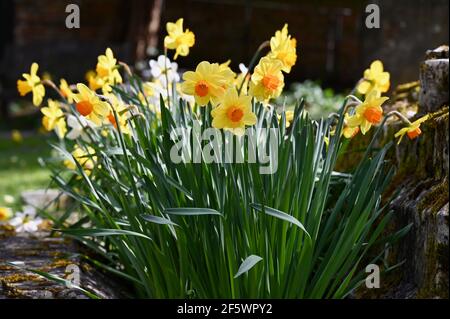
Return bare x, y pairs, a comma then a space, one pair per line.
19, 166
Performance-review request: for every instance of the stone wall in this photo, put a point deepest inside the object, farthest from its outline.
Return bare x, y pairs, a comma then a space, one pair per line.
420, 188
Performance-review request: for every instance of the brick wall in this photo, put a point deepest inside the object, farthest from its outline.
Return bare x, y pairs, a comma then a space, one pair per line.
333, 43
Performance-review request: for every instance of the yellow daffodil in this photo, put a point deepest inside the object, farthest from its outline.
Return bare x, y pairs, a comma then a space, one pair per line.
54, 118
413, 130
375, 78
122, 114
234, 112
5, 214
107, 68
32, 84
86, 159
368, 113
267, 81
93, 80
16, 136
208, 83
177, 39
65, 90
89, 104
283, 48
349, 131
148, 90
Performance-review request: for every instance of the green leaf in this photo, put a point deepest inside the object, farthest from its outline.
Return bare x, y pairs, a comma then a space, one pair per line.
190, 211
158, 220
247, 264
57, 279
100, 232
279, 214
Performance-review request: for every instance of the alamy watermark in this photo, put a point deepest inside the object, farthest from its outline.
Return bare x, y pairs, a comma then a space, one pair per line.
73, 17
192, 145
373, 17
373, 279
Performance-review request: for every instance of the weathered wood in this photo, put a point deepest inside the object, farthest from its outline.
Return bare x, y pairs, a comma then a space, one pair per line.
54, 255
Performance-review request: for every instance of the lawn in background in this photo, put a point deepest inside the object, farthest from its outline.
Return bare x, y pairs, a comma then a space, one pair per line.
19, 166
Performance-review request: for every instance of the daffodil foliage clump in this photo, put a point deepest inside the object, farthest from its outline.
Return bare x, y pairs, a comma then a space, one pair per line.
220, 226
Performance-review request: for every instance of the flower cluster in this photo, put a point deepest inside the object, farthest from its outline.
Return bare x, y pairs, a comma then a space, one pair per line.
230, 95
365, 114
95, 108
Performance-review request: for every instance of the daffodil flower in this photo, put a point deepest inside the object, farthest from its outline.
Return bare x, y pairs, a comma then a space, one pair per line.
32, 84
177, 39
375, 78
94, 81
107, 68
122, 114
5, 214
86, 159
283, 48
349, 131
234, 112
65, 90
267, 81
164, 70
412, 130
89, 105
208, 83
16, 136
54, 118
26, 221
78, 126
368, 113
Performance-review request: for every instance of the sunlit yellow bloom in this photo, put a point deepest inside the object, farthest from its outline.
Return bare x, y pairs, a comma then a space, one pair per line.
368, 113
349, 131
16, 136
177, 39
413, 130
375, 79
148, 90
32, 84
86, 159
227, 73
234, 112
122, 114
267, 81
94, 81
54, 118
89, 104
107, 68
283, 48
5, 214
208, 83
65, 90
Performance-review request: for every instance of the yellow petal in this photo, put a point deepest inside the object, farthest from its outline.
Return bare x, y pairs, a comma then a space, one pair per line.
364, 87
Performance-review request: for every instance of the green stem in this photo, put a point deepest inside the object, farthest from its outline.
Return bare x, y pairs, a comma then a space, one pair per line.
253, 62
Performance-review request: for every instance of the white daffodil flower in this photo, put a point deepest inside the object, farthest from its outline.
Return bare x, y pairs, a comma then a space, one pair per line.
26, 221
78, 126
164, 71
